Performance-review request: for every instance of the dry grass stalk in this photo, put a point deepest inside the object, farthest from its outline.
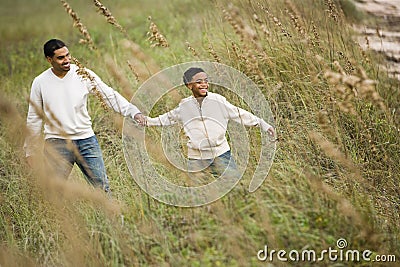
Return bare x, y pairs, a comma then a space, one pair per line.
250, 60
366, 42
213, 53
247, 59
367, 90
328, 125
262, 24
78, 24
348, 65
296, 23
332, 10
116, 72
237, 51
316, 40
275, 20
350, 86
133, 70
155, 36
191, 49
85, 75
325, 123
144, 65
295, 16
332, 151
242, 29
110, 18
344, 93
344, 206
363, 53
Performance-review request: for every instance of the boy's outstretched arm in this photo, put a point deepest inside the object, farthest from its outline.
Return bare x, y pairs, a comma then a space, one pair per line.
166, 119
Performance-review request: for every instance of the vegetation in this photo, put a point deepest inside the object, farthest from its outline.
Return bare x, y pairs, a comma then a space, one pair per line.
336, 169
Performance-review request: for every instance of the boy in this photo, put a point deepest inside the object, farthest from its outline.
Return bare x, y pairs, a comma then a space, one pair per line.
205, 117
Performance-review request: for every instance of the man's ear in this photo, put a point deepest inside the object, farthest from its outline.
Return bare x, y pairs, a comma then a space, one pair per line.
48, 59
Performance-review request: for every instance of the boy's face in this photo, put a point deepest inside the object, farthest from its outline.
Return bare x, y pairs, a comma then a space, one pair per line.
199, 85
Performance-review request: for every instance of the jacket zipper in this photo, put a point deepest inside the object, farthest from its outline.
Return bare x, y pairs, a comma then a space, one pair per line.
204, 125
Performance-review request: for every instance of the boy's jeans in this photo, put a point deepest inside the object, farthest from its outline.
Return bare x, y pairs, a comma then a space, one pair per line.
222, 165
86, 153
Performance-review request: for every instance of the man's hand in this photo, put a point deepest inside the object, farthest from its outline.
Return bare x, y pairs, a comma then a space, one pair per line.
140, 119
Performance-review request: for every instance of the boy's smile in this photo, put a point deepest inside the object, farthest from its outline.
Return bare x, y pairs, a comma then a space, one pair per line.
199, 85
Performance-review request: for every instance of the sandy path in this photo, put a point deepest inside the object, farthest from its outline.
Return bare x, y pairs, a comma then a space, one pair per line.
385, 37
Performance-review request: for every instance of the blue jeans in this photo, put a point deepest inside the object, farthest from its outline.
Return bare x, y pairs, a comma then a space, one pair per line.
221, 165
86, 153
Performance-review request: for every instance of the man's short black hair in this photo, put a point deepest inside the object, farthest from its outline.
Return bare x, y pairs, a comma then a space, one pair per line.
52, 45
188, 75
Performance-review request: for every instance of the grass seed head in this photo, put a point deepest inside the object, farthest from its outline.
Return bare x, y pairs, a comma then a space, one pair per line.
85, 75
78, 24
155, 36
109, 17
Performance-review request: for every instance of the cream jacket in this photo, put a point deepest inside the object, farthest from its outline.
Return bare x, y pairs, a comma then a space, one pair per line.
206, 125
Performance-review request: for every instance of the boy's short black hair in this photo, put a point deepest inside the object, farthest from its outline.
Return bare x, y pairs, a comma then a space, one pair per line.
52, 45
188, 75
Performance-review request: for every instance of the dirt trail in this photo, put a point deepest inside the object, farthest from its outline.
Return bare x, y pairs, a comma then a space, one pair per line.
385, 37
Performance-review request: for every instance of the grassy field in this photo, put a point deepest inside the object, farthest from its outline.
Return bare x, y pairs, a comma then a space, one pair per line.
336, 168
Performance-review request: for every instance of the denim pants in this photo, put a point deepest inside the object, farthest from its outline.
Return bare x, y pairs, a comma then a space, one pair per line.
86, 153
221, 165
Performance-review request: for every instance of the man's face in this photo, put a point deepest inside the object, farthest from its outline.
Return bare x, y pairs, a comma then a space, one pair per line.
61, 61
199, 85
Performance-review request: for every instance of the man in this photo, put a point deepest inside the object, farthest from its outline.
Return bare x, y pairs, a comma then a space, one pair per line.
58, 101
205, 118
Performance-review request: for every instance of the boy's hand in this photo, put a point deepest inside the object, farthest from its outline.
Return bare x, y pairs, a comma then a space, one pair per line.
271, 131
268, 128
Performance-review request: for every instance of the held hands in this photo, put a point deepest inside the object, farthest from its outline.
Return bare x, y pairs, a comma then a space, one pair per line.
140, 119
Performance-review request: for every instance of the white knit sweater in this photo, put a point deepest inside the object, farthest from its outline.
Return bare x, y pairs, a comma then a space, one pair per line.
63, 102
206, 125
